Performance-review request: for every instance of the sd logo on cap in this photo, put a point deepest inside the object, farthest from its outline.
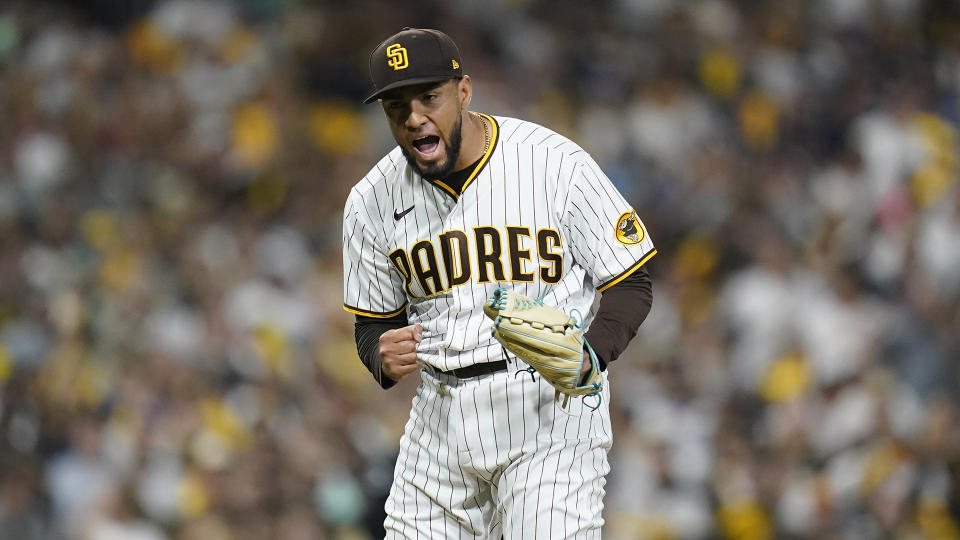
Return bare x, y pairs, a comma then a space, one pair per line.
397, 57
413, 56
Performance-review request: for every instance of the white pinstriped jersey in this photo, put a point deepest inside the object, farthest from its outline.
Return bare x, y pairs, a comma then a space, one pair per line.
536, 215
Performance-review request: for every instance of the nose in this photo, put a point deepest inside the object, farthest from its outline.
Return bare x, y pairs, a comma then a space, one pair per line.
415, 118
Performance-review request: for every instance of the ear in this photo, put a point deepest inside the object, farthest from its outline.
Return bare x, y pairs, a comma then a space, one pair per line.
465, 92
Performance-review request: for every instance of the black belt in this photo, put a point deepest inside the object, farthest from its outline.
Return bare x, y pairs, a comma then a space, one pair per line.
476, 369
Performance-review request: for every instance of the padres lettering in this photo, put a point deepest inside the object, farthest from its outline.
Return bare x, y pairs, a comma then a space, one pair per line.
486, 255
397, 57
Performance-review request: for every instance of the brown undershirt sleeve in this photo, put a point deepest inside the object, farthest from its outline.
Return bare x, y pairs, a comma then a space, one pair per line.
367, 332
622, 309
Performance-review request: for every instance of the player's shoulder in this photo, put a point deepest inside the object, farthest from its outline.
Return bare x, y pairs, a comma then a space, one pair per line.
387, 171
526, 133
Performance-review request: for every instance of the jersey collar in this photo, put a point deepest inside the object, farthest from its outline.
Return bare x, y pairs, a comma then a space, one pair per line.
494, 138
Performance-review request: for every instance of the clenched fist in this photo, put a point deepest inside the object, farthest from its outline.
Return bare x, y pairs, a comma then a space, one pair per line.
398, 351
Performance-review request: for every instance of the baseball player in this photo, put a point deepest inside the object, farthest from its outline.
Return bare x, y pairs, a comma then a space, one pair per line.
465, 204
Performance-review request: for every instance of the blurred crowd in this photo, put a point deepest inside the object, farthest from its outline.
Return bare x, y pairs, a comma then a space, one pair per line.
174, 360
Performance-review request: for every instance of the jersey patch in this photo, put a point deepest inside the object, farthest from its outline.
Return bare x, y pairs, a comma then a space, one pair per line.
629, 230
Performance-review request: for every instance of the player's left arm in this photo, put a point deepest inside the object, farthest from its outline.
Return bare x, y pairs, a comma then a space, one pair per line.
623, 308
611, 242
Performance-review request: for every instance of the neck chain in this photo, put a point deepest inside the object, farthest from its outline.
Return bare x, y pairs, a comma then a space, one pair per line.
486, 134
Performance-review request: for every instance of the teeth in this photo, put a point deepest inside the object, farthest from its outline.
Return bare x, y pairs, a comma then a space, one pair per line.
426, 144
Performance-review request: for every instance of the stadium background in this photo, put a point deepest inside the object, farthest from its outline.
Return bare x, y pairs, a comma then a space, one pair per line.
174, 361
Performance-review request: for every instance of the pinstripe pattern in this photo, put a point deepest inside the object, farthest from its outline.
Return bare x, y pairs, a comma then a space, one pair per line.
493, 454
535, 179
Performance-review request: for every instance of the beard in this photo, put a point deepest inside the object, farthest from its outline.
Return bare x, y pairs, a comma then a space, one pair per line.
445, 167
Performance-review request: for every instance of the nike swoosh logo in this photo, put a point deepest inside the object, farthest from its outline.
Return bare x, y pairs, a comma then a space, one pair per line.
398, 215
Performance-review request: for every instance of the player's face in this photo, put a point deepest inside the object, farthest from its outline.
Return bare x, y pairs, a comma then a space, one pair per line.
426, 121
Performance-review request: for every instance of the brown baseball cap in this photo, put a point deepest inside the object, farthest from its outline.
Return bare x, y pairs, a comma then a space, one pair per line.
413, 56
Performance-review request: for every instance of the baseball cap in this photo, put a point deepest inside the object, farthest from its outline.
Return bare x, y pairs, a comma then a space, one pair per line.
413, 56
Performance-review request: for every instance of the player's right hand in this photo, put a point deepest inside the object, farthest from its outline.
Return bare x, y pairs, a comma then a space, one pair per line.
398, 351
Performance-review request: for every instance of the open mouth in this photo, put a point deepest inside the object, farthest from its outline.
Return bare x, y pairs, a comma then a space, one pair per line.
427, 145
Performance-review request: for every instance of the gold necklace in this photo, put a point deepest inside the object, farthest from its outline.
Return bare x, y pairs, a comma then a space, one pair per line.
486, 134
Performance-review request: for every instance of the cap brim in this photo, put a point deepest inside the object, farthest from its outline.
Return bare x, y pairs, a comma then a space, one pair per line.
399, 84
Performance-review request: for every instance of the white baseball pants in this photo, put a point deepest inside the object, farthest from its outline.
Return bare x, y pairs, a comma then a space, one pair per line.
496, 455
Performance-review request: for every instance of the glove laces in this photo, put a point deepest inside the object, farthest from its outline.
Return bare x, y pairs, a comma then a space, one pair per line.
593, 405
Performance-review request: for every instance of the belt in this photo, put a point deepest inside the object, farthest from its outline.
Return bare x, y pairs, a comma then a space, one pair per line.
476, 369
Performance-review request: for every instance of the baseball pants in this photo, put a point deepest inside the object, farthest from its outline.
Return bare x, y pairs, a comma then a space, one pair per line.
496, 455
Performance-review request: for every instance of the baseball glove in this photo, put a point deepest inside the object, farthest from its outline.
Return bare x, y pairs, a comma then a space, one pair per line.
546, 339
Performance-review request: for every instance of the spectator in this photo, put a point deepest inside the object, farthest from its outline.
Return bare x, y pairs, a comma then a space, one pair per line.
174, 363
